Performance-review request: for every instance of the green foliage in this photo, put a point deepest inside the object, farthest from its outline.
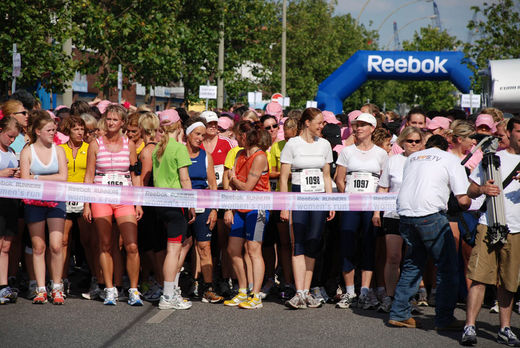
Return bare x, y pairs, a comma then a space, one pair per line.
38, 27
496, 33
141, 35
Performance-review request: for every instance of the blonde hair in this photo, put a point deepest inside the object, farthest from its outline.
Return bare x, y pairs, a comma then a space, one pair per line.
461, 128
90, 121
497, 114
250, 115
170, 129
406, 132
101, 124
149, 123
10, 106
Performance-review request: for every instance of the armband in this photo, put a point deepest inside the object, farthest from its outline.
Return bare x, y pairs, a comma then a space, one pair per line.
136, 168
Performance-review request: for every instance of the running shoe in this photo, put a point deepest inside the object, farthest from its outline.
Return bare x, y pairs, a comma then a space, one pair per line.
134, 297
317, 293
266, 289
423, 298
386, 305
363, 302
469, 337
287, 292
346, 301
110, 296
195, 289
40, 298
254, 302
93, 293
506, 336
121, 294
154, 293
66, 287
495, 308
32, 291
431, 299
8, 295
297, 302
57, 296
211, 297
311, 301
173, 302
372, 302
235, 301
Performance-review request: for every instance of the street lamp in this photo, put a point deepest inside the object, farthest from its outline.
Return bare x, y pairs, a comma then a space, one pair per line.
407, 24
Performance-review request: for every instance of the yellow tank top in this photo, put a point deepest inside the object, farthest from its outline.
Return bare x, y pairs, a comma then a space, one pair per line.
76, 166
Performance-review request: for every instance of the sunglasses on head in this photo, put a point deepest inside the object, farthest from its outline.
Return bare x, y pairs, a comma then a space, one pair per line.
20, 113
412, 141
274, 126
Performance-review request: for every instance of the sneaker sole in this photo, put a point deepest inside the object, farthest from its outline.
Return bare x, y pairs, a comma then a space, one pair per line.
342, 306
290, 306
136, 304
469, 342
255, 307
110, 303
205, 300
401, 324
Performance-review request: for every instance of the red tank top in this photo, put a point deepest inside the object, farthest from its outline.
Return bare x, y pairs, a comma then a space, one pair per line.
243, 166
220, 152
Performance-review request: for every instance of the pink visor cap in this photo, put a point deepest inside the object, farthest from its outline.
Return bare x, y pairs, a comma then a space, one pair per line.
329, 117
486, 120
225, 122
439, 122
168, 117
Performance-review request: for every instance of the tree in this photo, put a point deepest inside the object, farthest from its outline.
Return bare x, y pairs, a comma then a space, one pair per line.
142, 36
317, 44
38, 27
431, 95
497, 33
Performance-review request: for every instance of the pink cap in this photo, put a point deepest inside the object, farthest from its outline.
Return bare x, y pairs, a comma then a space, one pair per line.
169, 116
486, 120
59, 107
225, 122
252, 109
329, 117
51, 114
275, 109
102, 105
353, 115
439, 122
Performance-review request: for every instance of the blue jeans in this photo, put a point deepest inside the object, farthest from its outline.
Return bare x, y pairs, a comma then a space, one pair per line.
425, 235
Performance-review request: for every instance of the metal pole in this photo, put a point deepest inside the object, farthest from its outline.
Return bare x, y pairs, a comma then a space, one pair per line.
119, 83
207, 100
13, 84
67, 94
284, 47
220, 79
471, 102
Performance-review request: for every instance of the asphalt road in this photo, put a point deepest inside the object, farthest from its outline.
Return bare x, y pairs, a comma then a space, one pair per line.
82, 323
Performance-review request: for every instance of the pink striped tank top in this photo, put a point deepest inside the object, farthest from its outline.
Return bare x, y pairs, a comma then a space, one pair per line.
108, 162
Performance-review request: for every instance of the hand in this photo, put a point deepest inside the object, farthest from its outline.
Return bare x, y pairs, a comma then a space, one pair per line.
7, 172
17, 173
87, 214
517, 176
212, 219
376, 219
228, 218
490, 189
192, 215
284, 215
138, 212
332, 213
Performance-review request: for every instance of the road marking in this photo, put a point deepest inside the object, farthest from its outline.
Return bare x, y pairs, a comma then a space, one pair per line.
159, 317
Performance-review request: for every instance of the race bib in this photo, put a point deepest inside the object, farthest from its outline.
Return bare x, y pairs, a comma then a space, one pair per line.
360, 182
311, 180
115, 179
199, 210
74, 207
219, 173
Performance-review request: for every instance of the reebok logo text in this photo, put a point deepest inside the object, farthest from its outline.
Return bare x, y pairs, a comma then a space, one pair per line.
413, 65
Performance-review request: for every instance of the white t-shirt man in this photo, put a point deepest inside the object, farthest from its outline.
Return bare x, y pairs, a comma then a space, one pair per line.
428, 178
303, 155
391, 178
359, 163
508, 162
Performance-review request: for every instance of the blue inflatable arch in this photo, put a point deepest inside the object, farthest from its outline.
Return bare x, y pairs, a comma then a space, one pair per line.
391, 65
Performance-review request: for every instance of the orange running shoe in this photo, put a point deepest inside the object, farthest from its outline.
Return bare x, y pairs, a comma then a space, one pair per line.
41, 297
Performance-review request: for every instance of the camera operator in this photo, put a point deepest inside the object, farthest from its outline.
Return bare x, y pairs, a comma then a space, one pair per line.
497, 264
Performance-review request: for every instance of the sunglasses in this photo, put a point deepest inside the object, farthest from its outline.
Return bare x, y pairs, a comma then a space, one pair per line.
412, 141
20, 113
268, 128
222, 130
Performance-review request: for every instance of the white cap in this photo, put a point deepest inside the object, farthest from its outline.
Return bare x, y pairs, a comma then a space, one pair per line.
364, 117
209, 116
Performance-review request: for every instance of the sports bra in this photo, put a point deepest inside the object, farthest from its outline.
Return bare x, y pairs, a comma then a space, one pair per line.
38, 168
198, 171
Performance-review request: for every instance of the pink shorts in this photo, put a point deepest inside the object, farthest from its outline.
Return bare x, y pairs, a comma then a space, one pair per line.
102, 210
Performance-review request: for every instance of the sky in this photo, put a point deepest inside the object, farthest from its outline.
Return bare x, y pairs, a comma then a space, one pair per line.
454, 16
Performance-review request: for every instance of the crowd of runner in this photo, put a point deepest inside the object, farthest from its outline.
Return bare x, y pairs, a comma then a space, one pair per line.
240, 257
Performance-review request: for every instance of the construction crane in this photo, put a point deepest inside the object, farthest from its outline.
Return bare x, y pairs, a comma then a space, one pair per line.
397, 43
438, 16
